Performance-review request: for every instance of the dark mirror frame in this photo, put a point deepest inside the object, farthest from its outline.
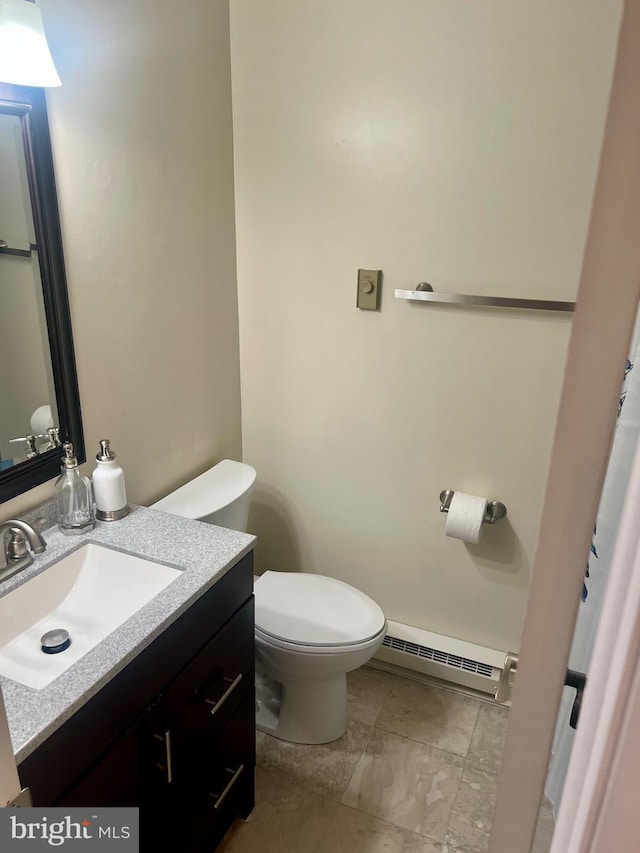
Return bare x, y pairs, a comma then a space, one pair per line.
30, 105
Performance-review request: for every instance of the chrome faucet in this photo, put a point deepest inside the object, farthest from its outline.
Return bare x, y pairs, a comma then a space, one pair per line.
14, 554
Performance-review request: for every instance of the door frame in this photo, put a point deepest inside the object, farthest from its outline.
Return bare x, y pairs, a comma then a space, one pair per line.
605, 313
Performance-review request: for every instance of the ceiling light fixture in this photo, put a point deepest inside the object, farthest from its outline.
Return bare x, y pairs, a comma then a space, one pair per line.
25, 59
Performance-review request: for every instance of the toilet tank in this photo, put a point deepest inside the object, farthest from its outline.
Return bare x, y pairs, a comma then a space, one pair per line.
219, 496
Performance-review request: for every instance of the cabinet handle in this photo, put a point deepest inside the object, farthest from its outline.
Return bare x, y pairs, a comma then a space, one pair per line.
219, 798
167, 766
218, 703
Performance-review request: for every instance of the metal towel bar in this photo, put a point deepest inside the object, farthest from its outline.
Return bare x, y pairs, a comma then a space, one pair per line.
424, 293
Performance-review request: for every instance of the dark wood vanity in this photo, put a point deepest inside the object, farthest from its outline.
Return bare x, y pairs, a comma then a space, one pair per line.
173, 732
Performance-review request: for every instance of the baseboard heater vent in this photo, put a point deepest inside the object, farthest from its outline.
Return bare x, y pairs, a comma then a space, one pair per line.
438, 656
442, 657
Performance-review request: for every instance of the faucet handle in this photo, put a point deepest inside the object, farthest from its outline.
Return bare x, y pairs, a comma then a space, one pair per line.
15, 545
32, 450
54, 437
15, 534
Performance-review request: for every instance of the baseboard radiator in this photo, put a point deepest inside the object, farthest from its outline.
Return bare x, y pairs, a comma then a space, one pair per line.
446, 658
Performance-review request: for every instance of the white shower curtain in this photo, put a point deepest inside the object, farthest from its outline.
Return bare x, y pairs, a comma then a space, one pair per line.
627, 434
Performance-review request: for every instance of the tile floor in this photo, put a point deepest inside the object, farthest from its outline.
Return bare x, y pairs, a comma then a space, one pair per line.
416, 772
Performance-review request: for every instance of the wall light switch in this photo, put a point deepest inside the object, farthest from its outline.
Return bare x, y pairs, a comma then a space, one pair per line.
368, 289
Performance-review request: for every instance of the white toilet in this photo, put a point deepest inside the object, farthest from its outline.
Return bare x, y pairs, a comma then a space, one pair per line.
310, 629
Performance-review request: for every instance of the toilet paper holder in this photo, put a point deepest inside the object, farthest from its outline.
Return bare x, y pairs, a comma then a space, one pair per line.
494, 511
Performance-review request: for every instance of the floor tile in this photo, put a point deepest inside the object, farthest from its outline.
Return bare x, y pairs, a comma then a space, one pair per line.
286, 819
432, 715
352, 831
487, 743
472, 813
324, 768
406, 783
367, 690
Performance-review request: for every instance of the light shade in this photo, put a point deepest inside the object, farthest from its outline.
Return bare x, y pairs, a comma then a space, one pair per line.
25, 59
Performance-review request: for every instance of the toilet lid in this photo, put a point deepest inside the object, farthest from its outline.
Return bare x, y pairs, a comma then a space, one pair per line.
314, 610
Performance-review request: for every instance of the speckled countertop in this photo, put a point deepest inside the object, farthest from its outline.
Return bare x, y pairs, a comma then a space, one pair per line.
204, 553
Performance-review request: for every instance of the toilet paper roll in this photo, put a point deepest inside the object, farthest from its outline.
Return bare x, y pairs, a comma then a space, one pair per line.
464, 519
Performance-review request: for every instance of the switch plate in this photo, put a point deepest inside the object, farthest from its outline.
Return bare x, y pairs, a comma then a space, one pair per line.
368, 289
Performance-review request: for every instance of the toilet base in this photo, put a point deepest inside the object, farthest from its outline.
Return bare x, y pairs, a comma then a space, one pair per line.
313, 711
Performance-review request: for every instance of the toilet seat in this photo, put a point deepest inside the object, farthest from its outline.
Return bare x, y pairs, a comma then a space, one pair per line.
314, 613
267, 640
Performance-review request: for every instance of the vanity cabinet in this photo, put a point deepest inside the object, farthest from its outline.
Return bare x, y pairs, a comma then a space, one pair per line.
172, 733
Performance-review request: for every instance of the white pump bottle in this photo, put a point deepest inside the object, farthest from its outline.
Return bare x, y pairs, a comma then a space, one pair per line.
108, 485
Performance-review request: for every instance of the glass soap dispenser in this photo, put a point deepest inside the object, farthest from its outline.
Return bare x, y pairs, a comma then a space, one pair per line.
73, 496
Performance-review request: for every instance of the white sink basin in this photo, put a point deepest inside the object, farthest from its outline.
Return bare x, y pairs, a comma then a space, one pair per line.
89, 593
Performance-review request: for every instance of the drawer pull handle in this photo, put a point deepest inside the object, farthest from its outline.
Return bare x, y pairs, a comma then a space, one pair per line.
219, 798
167, 766
218, 703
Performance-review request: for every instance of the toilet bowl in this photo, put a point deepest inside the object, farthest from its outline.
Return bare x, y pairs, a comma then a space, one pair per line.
310, 630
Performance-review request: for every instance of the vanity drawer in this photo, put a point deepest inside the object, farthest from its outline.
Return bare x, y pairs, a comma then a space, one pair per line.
230, 788
201, 699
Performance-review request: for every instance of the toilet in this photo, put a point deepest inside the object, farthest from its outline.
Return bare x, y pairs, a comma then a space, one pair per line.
310, 629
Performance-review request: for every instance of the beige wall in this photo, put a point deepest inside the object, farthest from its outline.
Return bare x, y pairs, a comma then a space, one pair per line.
141, 131
455, 142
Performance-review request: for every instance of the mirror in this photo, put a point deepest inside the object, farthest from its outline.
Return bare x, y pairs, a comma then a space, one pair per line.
27, 395
39, 401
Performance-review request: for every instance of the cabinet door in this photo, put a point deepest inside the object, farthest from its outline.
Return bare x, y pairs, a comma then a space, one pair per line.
130, 766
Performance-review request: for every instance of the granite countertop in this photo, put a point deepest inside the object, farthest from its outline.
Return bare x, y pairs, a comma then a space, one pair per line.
203, 551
